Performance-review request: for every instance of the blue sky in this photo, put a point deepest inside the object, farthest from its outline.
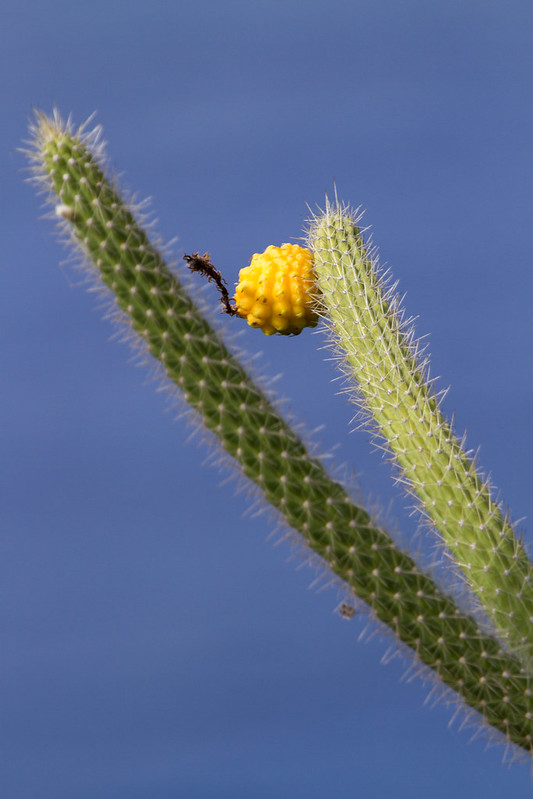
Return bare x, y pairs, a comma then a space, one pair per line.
155, 642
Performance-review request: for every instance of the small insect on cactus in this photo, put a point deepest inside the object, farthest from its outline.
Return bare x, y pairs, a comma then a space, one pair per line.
484, 663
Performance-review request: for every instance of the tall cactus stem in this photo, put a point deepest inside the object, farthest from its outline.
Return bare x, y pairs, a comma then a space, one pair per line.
444, 638
380, 353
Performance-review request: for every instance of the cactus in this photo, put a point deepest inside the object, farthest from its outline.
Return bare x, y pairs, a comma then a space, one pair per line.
381, 353
445, 641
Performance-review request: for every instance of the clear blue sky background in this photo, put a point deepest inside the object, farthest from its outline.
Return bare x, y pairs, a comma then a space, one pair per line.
155, 643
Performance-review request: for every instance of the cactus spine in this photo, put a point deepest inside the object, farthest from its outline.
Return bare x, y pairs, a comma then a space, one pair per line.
392, 384
363, 556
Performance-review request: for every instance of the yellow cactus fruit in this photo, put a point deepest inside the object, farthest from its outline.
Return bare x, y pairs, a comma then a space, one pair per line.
276, 292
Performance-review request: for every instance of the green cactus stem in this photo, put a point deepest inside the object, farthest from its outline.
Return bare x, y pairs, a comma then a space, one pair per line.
366, 320
364, 558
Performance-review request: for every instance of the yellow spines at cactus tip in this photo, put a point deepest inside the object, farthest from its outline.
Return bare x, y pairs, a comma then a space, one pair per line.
276, 293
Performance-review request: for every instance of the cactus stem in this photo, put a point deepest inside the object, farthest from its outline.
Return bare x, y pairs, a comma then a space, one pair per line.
389, 378
462, 655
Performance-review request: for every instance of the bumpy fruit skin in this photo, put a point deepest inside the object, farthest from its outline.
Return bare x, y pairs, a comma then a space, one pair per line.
275, 293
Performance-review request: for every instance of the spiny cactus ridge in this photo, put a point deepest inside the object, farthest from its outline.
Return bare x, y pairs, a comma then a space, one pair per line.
362, 555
